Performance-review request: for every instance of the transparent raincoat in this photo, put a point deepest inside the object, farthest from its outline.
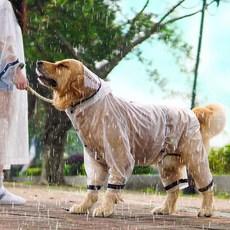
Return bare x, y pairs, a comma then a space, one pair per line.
13, 102
118, 134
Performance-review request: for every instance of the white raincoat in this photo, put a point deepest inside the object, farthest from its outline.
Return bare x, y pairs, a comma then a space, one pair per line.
119, 134
13, 102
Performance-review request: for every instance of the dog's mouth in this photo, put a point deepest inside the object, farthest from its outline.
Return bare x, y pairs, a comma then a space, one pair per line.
45, 80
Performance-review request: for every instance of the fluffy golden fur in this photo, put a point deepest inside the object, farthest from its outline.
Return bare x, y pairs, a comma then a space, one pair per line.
66, 79
68, 75
212, 121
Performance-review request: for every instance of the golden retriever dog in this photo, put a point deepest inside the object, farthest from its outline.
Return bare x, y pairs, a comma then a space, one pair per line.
118, 134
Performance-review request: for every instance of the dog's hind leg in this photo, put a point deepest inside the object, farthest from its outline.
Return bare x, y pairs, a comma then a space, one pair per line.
174, 177
196, 160
207, 204
169, 205
204, 182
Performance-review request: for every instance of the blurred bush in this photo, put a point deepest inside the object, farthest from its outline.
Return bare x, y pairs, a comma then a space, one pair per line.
219, 160
74, 165
144, 170
31, 172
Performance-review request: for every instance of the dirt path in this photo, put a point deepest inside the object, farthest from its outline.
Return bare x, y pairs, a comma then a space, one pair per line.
45, 210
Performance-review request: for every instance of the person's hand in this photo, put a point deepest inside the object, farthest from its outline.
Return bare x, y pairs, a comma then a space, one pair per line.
20, 81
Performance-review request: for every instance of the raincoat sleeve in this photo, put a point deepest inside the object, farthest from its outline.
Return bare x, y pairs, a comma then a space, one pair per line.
8, 44
118, 154
95, 171
117, 163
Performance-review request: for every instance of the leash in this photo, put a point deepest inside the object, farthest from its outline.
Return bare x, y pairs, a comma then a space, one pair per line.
39, 96
21, 66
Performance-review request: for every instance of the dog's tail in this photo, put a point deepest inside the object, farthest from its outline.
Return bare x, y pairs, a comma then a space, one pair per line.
212, 120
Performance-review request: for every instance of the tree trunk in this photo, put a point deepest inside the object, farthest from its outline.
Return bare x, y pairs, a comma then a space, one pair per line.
56, 129
191, 189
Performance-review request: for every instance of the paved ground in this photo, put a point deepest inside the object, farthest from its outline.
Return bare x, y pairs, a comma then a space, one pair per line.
45, 210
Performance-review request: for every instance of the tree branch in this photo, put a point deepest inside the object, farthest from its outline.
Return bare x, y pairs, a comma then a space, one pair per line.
125, 49
170, 11
141, 11
132, 21
179, 18
187, 15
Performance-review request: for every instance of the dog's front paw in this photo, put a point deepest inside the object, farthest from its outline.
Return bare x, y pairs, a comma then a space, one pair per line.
79, 209
86, 205
107, 207
103, 211
161, 210
207, 212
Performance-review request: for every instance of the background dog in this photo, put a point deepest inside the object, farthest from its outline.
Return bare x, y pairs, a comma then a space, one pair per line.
119, 134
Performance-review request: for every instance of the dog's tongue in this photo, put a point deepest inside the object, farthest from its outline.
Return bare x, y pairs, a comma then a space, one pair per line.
91, 80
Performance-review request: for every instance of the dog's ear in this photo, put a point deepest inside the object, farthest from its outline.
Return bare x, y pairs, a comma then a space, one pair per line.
63, 101
78, 89
70, 94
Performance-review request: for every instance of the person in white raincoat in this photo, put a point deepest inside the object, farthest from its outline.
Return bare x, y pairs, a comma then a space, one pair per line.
14, 148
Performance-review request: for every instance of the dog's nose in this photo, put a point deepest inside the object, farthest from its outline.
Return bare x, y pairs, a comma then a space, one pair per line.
39, 63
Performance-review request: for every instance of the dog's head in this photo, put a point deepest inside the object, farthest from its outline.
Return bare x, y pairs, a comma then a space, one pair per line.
66, 79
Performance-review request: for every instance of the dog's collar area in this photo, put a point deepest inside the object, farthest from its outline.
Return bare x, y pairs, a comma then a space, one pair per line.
73, 106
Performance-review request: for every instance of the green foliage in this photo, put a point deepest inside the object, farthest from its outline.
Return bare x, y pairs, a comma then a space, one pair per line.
143, 170
57, 27
32, 172
223, 195
219, 160
67, 170
75, 169
148, 190
73, 143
